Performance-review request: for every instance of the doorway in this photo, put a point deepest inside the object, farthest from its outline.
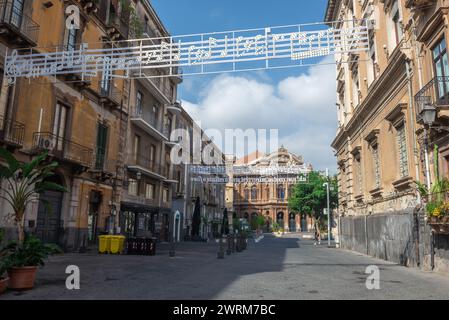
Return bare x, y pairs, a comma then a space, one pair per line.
92, 219
49, 216
292, 222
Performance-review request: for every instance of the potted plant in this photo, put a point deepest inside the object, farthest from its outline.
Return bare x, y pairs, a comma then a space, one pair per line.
3, 253
25, 181
23, 260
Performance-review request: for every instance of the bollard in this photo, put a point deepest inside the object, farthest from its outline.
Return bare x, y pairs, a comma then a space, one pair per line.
172, 248
220, 254
229, 249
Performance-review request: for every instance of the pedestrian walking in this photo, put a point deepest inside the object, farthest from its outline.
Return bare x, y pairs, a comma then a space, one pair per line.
317, 237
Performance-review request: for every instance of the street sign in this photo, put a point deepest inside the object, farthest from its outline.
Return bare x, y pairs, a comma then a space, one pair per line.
230, 51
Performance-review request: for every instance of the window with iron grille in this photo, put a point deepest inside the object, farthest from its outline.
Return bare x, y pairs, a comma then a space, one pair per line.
358, 173
402, 151
376, 165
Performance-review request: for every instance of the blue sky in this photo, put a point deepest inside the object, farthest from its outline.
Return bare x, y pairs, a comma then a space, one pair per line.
198, 93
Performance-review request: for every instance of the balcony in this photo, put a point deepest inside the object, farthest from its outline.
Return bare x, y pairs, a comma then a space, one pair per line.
150, 125
419, 5
139, 163
175, 108
435, 93
118, 26
103, 168
11, 132
89, 6
62, 149
16, 26
110, 96
156, 83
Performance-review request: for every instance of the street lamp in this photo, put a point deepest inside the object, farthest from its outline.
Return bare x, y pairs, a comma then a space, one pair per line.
327, 185
428, 115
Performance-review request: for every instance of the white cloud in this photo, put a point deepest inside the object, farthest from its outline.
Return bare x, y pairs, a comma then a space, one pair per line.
302, 108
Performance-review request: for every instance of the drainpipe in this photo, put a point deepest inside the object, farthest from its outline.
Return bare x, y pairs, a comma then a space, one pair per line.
432, 250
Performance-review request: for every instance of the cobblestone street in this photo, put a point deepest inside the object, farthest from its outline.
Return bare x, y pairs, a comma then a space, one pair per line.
274, 268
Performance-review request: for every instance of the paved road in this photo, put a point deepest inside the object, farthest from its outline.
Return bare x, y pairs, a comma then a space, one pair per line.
275, 268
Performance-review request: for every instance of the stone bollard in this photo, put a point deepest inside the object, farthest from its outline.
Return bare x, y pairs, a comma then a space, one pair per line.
172, 248
229, 249
220, 254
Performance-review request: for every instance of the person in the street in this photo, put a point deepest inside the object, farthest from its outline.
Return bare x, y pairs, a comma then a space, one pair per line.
317, 236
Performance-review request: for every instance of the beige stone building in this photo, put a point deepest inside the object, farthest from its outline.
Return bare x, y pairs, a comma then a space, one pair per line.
269, 200
380, 138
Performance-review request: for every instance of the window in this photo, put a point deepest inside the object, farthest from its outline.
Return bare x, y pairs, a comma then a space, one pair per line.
136, 147
16, 13
149, 191
165, 195
246, 194
376, 165
396, 18
441, 66
133, 187
402, 150
254, 193
372, 72
180, 182
152, 156
355, 88
71, 39
59, 125
281, 192
139, 104
102, 136
155, 114
358, 173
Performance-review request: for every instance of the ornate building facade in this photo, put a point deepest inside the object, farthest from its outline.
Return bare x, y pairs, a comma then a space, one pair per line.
269, 200
381, 144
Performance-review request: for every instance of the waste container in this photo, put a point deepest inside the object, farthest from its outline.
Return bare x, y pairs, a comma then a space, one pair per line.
104, 244
117, 243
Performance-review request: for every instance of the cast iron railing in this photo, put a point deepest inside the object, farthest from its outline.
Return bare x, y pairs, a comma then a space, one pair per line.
435, 92
11, 132
17, 21
63, 149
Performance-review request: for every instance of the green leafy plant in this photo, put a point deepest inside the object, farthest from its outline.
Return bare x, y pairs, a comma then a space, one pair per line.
3, 254
436, 197
25, 182
30, 253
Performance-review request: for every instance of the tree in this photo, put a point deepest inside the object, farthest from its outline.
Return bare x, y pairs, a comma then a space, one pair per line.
25, 182
310, 198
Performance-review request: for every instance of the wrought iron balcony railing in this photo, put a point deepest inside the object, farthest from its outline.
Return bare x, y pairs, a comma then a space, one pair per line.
119, 25
11, 132
109, 94
149, 119
436, 93
103, 163
152, 166
63, 149
18, 25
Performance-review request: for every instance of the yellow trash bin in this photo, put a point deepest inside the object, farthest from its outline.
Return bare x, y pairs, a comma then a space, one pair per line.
117, 244
104, 244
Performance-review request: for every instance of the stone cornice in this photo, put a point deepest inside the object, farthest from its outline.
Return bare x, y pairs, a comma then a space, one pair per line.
379, 91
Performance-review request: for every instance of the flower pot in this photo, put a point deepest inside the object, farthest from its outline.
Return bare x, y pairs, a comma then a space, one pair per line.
3, 284
22, 278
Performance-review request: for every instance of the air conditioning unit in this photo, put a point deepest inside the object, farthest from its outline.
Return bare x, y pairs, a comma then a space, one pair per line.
47, 143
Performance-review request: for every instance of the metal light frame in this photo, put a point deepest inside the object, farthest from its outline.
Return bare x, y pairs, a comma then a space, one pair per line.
208, 53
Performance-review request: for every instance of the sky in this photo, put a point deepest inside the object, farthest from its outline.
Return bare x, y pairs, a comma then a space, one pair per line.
299, 102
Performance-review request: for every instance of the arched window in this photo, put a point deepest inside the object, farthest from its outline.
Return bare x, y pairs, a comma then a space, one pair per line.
281, 192
246, 194
254, 193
